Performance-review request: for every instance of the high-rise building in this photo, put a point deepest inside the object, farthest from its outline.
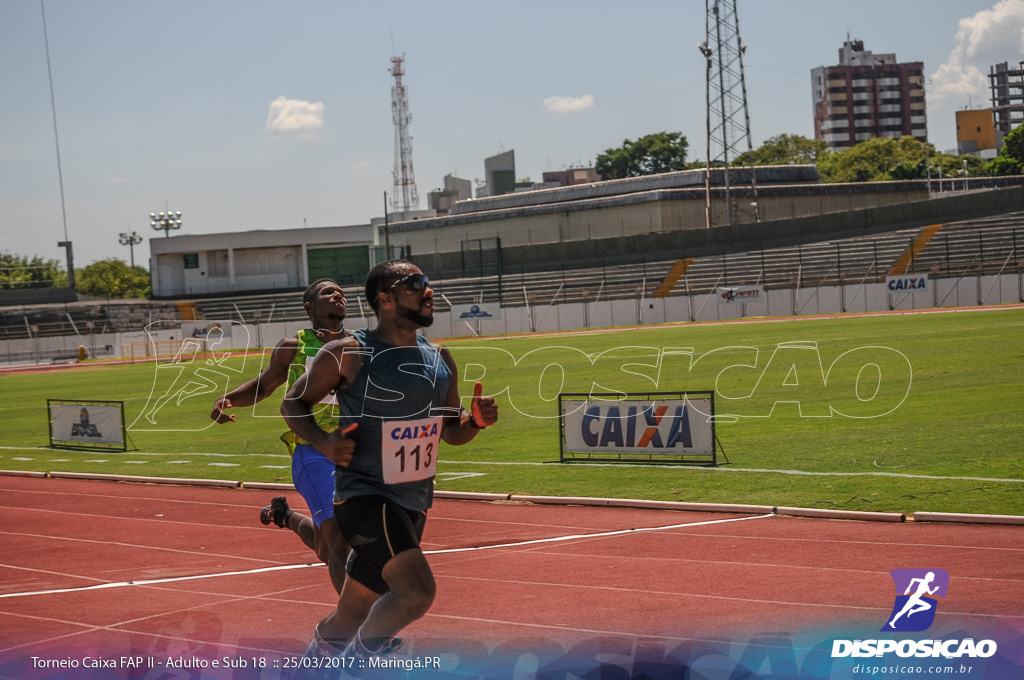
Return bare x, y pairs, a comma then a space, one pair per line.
1007, 86
500, 171
455, 189
867, 95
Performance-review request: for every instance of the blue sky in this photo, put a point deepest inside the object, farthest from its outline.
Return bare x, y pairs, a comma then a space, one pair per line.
173, 104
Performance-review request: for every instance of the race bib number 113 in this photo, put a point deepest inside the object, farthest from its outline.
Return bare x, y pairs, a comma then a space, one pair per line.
409, 449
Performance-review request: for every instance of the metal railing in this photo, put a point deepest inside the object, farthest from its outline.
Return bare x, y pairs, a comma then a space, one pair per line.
985, 247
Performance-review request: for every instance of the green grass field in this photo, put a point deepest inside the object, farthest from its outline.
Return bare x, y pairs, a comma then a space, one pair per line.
952, 443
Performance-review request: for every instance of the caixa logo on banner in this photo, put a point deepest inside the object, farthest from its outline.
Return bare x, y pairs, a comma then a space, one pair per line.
907, 282
663, 427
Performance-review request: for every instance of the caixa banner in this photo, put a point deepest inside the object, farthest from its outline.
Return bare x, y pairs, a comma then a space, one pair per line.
907, 283
651, 427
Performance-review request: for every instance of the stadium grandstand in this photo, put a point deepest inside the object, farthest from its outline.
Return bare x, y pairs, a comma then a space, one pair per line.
859, 248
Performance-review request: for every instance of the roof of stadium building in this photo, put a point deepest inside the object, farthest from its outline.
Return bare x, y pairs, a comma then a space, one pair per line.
691, 193
685, 179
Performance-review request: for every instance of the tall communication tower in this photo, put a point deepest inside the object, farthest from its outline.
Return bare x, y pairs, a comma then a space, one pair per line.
404, 197
728, 118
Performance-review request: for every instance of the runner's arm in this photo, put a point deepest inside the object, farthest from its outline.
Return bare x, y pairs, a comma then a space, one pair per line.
334, 368
483, 411
262, 386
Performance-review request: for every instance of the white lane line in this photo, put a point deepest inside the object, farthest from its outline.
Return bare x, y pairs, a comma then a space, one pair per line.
755, 470
901, 475
137, 546
834, 541
588, 631
120, 626
150, 453
672, 562
262, 570
52, 573
451, 476
153, 581
159, 518
92, 497
602, 534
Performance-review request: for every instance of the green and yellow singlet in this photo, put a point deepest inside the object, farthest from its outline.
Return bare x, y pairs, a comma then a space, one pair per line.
326, 412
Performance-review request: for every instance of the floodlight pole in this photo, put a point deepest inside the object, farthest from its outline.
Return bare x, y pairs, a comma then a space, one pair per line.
165, 221
706, 51
387, 230
130, 240
71, 263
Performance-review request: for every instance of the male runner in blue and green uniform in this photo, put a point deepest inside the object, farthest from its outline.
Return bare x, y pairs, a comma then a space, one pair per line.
398, 397
312, 472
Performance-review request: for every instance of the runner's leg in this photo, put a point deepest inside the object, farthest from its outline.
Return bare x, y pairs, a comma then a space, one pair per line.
412, 590
313, 475
341, 625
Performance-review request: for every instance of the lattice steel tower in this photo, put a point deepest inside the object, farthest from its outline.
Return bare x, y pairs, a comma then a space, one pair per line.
728, 118
404, 197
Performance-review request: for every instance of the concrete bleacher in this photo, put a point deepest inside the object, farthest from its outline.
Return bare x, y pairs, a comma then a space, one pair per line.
82, 318
985, 245
982, 246
825, 263
511, 290
265, 308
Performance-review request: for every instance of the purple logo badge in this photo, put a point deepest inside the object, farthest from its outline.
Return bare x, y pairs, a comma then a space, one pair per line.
915, 605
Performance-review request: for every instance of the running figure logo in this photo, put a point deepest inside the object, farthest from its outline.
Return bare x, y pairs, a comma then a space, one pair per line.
914, 609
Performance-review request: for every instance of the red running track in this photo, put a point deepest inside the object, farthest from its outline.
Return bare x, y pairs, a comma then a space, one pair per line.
573, 577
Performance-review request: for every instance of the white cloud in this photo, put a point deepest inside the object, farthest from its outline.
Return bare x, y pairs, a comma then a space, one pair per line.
991, 36
294, 115
572, 104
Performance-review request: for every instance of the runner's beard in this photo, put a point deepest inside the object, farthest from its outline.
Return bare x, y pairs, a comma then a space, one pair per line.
416, 316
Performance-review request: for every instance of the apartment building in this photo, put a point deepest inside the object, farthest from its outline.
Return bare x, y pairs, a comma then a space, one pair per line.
868, 95
1007, 87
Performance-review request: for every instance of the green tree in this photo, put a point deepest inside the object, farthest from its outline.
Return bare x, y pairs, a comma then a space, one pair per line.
1010, 160
952, 166
650, 155
18, 272
882, 158
113, 278
876, 159
784, 149
1001, 165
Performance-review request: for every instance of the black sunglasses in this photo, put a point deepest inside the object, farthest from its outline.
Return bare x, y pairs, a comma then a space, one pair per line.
414, 281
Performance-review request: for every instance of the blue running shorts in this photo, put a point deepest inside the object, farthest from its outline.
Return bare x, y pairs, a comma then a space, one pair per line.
313, 476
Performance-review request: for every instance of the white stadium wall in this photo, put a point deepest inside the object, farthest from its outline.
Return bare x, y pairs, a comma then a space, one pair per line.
966, 291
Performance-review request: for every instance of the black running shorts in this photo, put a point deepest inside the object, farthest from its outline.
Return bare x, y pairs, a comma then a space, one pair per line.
377, 529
